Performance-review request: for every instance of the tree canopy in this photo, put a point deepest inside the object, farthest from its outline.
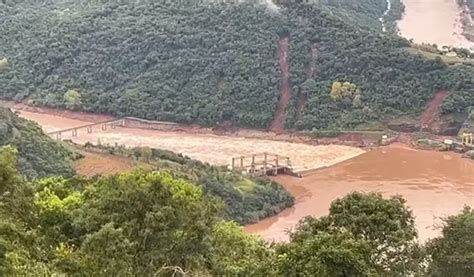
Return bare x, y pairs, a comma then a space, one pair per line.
383, 228
39, 155
453, 253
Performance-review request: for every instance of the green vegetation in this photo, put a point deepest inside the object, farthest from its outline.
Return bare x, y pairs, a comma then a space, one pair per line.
453, 253
72, 99
39, 156
463, 99
246, 199
378, 228
366, 13
152, 224
208, 63
430, 54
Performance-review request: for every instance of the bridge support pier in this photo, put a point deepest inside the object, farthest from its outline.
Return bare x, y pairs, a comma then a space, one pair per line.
58, 136
262, 164
74, 132
104, 127
265, 156
89, 129
276, 165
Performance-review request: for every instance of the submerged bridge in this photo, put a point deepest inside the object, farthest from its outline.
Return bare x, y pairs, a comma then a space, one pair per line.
113, 123
263, 164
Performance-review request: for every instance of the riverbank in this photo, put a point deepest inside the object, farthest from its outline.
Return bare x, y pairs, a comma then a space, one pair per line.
467, 21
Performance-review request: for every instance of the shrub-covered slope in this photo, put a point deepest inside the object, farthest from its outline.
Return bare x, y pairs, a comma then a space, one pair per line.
246, 199
39, 155
192, 61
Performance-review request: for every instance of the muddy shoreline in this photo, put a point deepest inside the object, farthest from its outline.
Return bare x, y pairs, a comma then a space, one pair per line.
467, 22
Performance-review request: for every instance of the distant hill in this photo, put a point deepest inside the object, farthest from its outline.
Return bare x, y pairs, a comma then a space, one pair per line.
323, 65
39, 156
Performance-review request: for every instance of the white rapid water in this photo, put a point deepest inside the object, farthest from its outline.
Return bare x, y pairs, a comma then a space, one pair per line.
382, 18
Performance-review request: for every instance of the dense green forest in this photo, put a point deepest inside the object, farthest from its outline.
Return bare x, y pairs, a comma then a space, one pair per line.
197, 62
39, 155
152, 224
246, 199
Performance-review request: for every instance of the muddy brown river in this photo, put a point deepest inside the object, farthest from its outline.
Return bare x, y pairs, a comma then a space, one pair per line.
435, 185
433, 21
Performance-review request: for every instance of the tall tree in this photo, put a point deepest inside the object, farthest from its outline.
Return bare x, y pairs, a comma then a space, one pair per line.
387, 225
452, 254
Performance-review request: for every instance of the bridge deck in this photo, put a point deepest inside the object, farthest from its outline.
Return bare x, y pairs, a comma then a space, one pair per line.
119, 120
85, 126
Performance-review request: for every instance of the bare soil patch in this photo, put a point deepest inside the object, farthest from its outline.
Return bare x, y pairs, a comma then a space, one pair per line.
278, 124
431, 113
102, 164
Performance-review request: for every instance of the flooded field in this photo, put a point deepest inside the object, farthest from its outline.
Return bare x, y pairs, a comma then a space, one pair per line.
217, 150
435, 184
433, 21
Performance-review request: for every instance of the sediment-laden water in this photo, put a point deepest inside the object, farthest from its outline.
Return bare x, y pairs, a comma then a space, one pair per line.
435, 184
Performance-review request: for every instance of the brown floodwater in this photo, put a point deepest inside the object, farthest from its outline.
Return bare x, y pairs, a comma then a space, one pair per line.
435, 185
433, 21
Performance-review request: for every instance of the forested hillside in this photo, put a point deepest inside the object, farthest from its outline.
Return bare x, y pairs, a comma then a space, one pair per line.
196, 62
366, 13
39, 155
